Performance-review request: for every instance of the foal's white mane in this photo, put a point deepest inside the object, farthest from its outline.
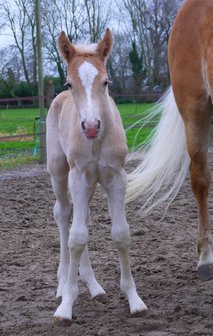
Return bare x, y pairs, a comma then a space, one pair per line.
86, 48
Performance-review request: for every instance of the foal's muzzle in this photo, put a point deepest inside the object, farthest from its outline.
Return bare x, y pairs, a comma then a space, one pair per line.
91, 128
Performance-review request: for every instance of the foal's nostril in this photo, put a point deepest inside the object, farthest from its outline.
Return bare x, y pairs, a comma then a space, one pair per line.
83, 125
98, 126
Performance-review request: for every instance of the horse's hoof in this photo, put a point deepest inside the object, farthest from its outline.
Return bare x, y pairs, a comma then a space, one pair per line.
205, 272
100, 298
60, 322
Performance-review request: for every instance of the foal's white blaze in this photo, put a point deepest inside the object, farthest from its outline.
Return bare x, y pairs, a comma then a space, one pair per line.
87, 73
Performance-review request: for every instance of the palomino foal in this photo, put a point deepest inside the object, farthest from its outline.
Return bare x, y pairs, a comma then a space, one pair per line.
85, 145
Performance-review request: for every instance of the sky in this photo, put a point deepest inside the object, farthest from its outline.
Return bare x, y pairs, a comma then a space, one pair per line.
5, 39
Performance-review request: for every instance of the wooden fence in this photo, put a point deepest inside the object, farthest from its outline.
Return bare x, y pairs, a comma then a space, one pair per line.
18, 102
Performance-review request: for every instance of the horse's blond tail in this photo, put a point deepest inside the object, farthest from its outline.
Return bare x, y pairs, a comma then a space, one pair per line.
165, 164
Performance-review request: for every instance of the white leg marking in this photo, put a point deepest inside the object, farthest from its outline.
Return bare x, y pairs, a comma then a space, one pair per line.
121, 236
206, 249
205, 258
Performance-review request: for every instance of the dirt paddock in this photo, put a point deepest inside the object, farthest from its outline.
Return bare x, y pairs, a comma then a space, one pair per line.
163, 258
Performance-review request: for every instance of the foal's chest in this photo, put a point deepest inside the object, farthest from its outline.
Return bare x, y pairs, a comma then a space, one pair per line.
98, 164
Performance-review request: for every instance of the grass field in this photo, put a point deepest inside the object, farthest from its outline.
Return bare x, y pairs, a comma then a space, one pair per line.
130, 114
17, 121
22, 121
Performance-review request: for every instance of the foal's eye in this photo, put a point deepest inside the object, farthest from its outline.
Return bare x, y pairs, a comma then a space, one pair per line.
106, 82
68, 85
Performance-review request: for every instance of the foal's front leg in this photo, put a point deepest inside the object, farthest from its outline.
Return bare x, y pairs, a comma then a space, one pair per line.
62, 215
78, 238
121, 235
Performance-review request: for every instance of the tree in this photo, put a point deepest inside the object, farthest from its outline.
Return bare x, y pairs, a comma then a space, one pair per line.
151, 22
19, 20
119, 68
97, 18
64, 15
29, 7
137, 67
141, 30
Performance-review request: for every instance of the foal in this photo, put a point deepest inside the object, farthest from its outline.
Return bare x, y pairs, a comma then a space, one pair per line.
86, 144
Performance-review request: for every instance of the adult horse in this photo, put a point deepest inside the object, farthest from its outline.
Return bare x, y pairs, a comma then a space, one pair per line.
86, 144
181, 138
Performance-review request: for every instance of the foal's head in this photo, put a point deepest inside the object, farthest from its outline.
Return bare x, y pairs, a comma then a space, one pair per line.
87, 79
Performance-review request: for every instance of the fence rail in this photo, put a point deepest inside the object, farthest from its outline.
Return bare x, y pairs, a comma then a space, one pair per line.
17, 99
119, 98
144, 97
16, 136
19, 102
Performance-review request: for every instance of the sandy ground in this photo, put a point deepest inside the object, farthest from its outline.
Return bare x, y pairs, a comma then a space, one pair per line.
163, 258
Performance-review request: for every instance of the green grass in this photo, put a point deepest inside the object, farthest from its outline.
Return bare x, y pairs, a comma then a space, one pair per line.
17, 121
130, 114
22, 121
134, 110
17, 147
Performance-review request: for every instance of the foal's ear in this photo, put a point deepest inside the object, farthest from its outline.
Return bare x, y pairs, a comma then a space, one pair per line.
66, 48
104, 47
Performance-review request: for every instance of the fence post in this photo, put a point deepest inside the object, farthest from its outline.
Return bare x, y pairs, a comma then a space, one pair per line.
42, 136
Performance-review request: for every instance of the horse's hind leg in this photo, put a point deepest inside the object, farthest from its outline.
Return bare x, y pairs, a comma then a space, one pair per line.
197, 132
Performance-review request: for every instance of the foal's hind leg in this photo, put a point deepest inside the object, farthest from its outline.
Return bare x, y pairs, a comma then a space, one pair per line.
88, 277
86, 272
121, 235
197, 132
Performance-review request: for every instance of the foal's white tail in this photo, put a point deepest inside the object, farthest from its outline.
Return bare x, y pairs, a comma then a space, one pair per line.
165, 164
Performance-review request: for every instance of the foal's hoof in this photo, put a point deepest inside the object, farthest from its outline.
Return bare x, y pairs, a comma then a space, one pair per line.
60, 322
141, 313
58, 299
100, 298
205, 272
